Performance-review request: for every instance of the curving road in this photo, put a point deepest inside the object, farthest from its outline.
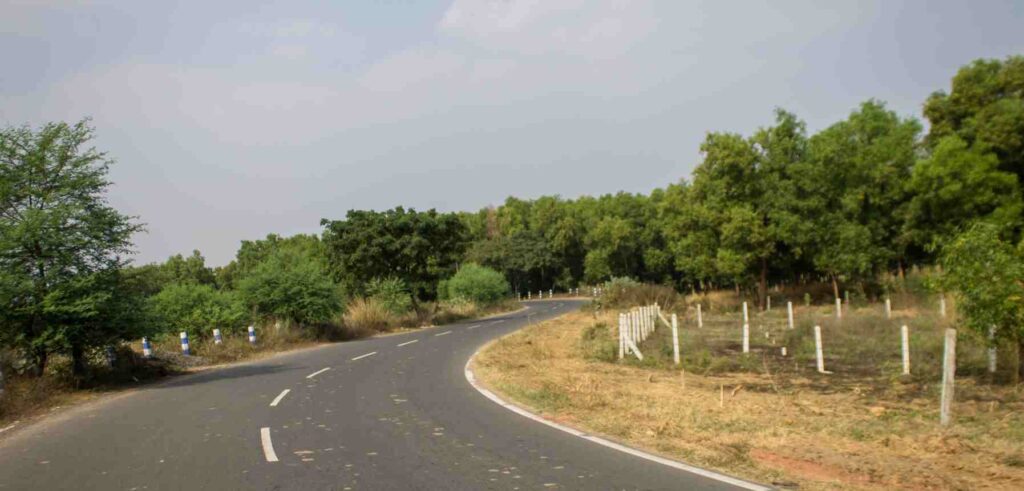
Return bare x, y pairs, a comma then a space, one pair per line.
394, 412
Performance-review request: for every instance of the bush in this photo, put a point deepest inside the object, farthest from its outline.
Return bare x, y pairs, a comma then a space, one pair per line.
364, 316
293, 287
391, 293
478, 284
196, 309
626, 292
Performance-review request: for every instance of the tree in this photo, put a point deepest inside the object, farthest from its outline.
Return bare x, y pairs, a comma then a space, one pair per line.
477, 284
293, 286
986, 274
197, 309
419, 248
57, 233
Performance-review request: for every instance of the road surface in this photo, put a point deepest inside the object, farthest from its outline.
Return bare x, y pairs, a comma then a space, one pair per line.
393, 412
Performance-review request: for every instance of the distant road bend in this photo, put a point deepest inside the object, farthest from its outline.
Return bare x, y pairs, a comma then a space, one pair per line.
393, 412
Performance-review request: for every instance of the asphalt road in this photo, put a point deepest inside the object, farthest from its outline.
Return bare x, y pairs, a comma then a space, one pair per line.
403, 417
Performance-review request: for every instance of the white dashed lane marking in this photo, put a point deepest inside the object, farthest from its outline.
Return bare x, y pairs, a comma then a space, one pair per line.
318, 372
279, 397
360, 357
268, 446
442, 333
409, 342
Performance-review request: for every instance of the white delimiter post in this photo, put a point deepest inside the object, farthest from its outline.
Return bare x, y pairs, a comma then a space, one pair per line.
768, 303
622, 335
992, 354
635, 322
948, 376
746, 338
817, 349
942, 305
746, 318
888, 309
789, 313
700, 318
905, 337
839, 308
675, 339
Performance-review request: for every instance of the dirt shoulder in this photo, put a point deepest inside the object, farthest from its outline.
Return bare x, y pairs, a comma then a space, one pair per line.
740, 424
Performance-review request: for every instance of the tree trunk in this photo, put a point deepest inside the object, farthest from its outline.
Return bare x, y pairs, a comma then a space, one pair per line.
835, 285
78, 365
762, 285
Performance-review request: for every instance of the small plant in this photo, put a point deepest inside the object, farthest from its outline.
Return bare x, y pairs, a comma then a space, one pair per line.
478, 284
391, 293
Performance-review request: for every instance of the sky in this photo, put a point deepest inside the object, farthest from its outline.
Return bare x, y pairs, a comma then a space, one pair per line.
230, 120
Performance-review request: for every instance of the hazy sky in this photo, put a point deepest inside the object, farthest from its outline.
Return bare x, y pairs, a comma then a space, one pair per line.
229, 120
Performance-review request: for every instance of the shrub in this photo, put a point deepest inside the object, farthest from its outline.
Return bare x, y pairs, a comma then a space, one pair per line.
391, 293
478, 284
366, 315
196, 309
292, 287
627, 292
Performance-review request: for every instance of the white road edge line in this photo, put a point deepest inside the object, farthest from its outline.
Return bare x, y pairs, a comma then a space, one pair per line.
268, 446
318, 372
608, 443
409, 342
442, 333
12, 425
474, 326
279, 397
360, 357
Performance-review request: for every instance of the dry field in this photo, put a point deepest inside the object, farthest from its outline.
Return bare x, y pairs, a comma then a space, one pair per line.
769, 418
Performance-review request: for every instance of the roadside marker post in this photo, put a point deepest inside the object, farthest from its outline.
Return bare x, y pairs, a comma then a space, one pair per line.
888, 308
905, 341
839, 308
622, 335
818, 351
948, 376
700, 318
252, 335
111, 356
746, 318
675, 339
147, 350
992, 354
217, 339
789, 313
184, 343
942, 305
746, 338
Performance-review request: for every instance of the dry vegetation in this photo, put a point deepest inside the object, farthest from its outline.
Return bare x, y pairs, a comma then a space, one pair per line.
774, 419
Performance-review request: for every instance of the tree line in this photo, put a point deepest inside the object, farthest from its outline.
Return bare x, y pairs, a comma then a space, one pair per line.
870, 194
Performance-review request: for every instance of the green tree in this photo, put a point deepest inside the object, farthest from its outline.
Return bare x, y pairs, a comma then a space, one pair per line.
986, 274
293, 286
420, 248
196, 309
57, 233
478, 284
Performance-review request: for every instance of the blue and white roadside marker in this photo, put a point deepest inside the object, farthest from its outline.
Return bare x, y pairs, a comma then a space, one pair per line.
216, 337
184, 343
111, 356
252, 335
147, 350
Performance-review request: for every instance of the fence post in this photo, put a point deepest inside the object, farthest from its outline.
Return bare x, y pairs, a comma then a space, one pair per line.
783, 351
789, 313
992, 353
746, 338
634, 321
746, 318
675, 339
839, 308
252, 335
942, 305
948, 376
700, 318
768, 303
622, 334
888, 308
147, 350
905, 338
818, 350
217, 339
184, 343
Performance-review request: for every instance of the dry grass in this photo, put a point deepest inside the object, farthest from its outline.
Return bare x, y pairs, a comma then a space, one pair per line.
791, 429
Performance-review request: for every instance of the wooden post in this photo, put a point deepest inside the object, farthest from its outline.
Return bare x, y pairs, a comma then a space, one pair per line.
905, 338
948, 376
700, 318
675, 339
818, 350
746, 318
992, 353
789, 313
888, 308
746, 338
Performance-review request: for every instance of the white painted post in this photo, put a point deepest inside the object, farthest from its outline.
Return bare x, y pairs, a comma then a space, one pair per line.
147, 350
217, 339
675, 339
252, 335
992, 353
948, 376
529, 295
551, 293
700, 318
635, 322
184, 343
818, 350
839, 308
783, 351
942, 305
768, 303
905, 337
622, 335
888, 308
746, 338
746, 318
789, 313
